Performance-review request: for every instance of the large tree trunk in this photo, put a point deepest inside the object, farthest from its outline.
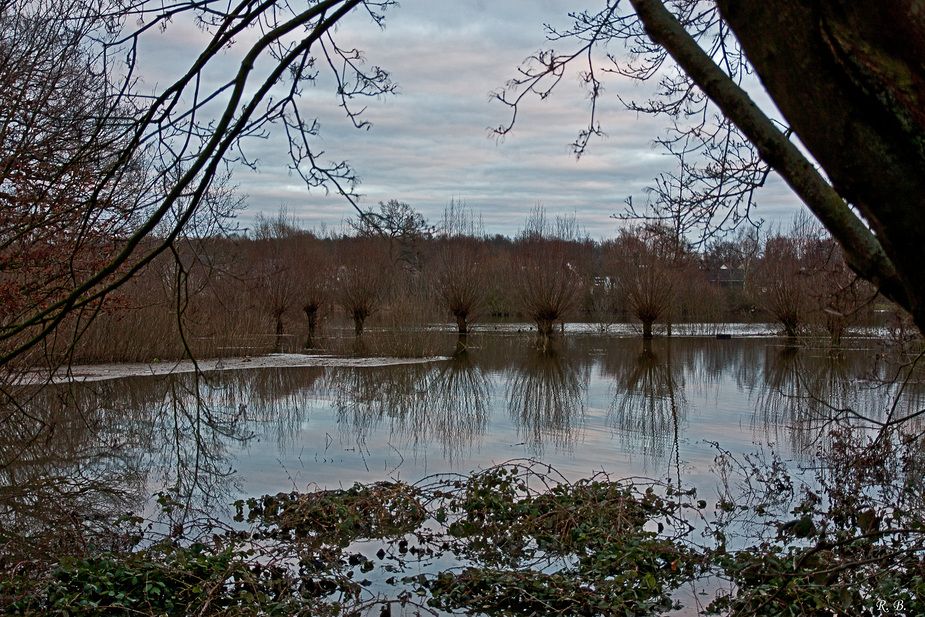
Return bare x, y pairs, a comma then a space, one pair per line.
278, 344
849, 77
462, 324
359, 319
312, 314
544, 327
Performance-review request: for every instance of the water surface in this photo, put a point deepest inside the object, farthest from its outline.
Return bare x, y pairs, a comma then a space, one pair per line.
593, 402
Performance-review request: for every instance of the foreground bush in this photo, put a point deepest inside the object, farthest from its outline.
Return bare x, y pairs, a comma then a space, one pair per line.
522, 540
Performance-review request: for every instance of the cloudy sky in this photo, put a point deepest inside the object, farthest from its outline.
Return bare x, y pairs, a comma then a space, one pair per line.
431, 144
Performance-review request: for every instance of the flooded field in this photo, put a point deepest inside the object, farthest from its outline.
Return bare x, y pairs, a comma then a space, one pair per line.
594, 402
187, 445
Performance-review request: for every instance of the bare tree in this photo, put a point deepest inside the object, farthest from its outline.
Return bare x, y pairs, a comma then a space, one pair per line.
316, 269
363, 279
400, 225
839, 297
276, 269
547, 284
460, 221
779, 283
460, 278
128, 165
549, 271
728, 264
63, 205
801, 278
645, 264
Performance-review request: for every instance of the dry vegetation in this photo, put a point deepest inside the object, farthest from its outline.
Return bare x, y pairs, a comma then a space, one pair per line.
282, 288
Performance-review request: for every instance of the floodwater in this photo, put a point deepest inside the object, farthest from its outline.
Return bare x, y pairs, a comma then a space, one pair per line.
595, 401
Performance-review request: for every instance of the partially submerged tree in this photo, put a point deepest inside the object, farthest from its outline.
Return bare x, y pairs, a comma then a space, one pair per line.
460, 278
780, 283
840, 297
547, 285
800, 279
546, 273
362, 279
645, 265
276, 269
315, 282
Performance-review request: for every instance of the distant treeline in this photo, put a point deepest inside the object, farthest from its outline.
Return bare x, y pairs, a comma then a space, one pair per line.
278, 287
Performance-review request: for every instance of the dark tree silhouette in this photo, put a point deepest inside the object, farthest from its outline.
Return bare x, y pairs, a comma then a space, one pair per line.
133, 165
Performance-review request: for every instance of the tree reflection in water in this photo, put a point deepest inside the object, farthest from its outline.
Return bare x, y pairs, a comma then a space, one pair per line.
74, 457
446, 402
806, 391
64, 468
798, 394
71, 456
276, 398
364, 397
459, 410
648, 399
546, 395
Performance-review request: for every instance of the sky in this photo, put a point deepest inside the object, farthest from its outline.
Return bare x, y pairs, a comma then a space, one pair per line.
431, 143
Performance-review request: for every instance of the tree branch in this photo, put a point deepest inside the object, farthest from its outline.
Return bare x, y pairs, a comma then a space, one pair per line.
863, 252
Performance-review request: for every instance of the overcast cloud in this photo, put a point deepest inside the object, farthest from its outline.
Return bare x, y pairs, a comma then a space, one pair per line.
431, 143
